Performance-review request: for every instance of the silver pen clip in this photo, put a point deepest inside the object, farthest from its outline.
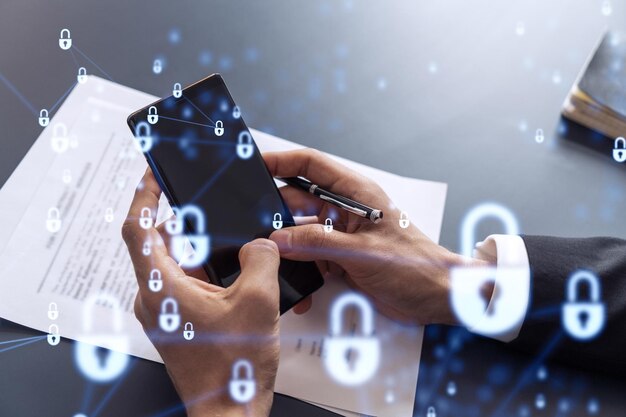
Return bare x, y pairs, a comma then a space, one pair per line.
344, 206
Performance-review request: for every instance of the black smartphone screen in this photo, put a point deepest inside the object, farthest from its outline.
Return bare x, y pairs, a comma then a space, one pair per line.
203, 155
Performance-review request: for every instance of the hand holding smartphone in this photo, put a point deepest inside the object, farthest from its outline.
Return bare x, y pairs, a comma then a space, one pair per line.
214, 177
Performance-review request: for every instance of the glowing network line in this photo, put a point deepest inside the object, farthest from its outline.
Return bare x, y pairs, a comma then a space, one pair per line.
32, 340
528, 373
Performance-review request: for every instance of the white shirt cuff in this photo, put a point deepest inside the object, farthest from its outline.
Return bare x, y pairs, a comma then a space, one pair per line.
505, 251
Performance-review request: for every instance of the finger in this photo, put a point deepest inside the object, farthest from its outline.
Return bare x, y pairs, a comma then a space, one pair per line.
306, 220
197, 273
311, 243
321, 170
303, 306
259, 261
299, 202
136, 236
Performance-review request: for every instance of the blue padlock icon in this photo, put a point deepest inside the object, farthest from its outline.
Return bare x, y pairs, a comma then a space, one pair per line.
583, 319
236, 112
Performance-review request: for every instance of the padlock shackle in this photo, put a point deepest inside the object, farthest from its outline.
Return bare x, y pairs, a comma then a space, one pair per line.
157, 273
146, 126
328, 221
55, 211
244, 134
82, 71
53, 304
150, 110
479, 213
362, 304
164, 304
219, 124
57, 127
177, 86
197, 213
190, 326
65, 31
278, 217
620, 140
243, 363
590, 278
42, 111
90, 303
53, 326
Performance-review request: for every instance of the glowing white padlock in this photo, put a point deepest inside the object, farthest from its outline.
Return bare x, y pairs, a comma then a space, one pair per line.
277, 223
155, 282
145, 221
153, 116
507, 306
328, 225
351, 359
242, 389
60, 141
143, 137
169, 321
53, 311
54, 338
95, 365
404, 220
53, 222
188, 333
199, 241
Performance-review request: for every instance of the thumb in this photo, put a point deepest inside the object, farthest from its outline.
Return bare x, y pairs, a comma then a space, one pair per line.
259, 261
312, 243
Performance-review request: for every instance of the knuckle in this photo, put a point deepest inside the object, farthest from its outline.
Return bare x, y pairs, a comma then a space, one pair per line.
129, 230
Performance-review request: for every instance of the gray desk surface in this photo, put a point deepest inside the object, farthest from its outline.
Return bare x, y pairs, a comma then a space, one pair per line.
433, 90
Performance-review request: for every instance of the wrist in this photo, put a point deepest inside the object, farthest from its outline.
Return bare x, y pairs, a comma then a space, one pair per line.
445, 314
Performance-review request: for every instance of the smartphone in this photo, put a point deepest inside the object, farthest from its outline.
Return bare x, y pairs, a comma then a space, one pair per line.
214, 177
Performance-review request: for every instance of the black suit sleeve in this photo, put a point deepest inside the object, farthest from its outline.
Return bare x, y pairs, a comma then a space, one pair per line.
552, 261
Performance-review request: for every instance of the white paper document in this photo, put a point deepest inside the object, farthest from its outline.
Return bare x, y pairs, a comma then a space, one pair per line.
92, 184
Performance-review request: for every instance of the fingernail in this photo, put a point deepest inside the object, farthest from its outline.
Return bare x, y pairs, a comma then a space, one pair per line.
282, 238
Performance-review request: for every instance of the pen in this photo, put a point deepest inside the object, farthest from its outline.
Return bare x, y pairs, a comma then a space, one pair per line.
345, 203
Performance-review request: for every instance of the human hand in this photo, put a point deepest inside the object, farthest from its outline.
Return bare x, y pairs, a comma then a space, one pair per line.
232, 323
405, 273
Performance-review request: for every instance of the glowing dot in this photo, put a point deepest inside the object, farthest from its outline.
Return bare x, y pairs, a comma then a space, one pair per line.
174, 36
